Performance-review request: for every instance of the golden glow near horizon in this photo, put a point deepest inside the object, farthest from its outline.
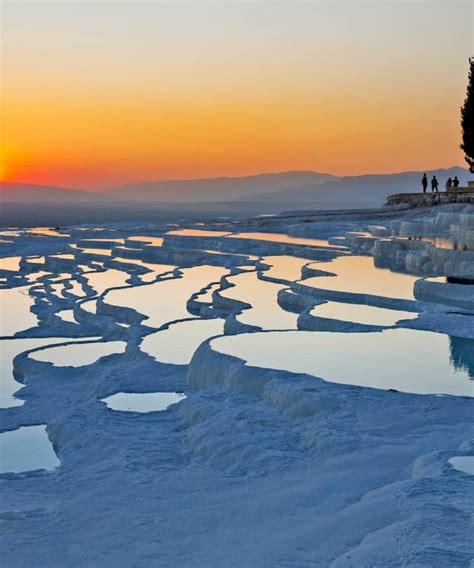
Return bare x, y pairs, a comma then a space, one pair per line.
101, 93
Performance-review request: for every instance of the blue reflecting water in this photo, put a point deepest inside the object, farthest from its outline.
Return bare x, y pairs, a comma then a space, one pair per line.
403, 359
26, 449
143, 402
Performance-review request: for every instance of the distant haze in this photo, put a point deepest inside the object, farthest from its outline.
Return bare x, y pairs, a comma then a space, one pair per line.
264, 193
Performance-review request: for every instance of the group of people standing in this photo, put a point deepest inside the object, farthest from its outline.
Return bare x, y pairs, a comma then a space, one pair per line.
450, 182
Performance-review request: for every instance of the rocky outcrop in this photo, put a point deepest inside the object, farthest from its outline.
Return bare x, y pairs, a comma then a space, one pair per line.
430, 199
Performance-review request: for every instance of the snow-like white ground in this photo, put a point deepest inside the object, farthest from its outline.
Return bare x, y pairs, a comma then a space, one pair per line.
286, 391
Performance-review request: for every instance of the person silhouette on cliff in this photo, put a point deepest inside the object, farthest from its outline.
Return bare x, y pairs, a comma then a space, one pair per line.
449, 184
424, 183
434, 184
455, 181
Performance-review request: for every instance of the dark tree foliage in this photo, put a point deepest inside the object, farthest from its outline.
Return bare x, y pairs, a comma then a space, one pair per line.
467, 120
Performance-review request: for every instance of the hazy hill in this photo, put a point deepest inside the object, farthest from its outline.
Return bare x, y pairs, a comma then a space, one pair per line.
219, 189
265, 193
366, 189
31, 193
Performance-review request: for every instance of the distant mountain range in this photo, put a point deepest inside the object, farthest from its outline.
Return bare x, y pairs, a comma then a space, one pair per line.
266, 192
221, 188
374, 188
31, 193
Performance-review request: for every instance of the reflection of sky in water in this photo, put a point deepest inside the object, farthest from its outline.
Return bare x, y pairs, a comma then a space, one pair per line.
46, 232
9, 349
15, 312
402, 359
360, 313
463, 463
358, 275
103, 240
78, 354
282, 238
149, 240
155, 269
67, 315
198, 233
206, 297
35, 276
143, 402
462, 354
76, 288
101, 281
63, 256
285, 267
90, 250
102, 252
166, 301
56, 289
178, 343
36, 260
10, 263
90, 306
265, 311
26, 449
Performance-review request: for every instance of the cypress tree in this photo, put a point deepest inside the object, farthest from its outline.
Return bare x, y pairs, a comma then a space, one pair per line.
467, 120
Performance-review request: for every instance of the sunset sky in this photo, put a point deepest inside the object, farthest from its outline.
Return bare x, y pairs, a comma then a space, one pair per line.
101, 93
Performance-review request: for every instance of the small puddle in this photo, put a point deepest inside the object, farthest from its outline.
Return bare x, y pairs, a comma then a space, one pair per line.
78, 354
360, 313
177, 344
143, 402
424, 361
26, 449
463, 463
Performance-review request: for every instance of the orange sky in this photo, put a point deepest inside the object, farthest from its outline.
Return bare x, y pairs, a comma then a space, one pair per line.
98, 94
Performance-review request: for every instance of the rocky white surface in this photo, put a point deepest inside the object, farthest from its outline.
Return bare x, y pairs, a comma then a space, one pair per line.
233, 460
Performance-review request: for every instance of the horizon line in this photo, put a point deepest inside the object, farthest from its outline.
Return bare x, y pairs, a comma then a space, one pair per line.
222, 177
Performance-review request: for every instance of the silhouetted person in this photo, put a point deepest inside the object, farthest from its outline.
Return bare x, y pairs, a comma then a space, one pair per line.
455, 181
424, 183
434, 184
449, 184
